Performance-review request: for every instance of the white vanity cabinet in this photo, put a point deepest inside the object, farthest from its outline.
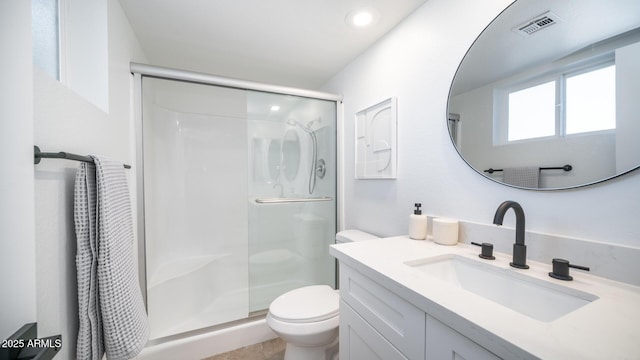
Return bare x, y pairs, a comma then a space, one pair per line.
391, 308
375, 323
359, 340
442, 342
374, 320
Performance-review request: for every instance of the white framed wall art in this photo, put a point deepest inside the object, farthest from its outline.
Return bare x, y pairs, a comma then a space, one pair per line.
376, 149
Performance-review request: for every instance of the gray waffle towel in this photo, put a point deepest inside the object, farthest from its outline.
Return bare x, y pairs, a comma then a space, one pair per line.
112, 317
90, 345
528, 177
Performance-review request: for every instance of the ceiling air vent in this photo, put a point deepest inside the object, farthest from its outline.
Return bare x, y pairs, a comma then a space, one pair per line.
538, 23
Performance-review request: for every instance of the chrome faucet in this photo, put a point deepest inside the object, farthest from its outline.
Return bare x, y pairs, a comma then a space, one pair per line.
519, 248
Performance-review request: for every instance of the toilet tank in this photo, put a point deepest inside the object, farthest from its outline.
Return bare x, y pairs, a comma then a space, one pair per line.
346, 236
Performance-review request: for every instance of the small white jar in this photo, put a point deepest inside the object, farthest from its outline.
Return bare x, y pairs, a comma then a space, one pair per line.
445, 231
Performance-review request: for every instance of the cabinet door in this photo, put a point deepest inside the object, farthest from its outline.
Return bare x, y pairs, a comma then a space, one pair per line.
360, 341
397, 320
445, 343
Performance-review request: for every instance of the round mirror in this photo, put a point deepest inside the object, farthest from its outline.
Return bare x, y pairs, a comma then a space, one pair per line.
290, 154
547, 95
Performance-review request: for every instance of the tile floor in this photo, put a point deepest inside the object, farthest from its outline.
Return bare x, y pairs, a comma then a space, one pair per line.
268, 350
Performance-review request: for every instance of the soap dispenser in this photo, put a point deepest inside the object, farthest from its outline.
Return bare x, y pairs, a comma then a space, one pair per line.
418, 224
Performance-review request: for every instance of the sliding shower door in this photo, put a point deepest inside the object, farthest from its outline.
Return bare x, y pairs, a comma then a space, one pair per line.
239, 200
292, 188
195, 191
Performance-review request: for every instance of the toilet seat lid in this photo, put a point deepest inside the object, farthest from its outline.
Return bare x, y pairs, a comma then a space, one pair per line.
306, 304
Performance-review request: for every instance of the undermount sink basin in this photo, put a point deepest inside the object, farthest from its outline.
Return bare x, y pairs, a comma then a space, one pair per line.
540, 300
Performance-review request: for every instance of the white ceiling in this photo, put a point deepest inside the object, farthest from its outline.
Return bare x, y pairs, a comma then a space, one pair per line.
299, 43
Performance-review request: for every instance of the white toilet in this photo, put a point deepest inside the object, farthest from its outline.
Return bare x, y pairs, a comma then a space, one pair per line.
307, 318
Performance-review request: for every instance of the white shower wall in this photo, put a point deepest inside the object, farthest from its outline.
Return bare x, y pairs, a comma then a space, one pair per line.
195, 205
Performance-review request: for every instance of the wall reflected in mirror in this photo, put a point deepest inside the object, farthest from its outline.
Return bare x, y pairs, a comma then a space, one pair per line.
551, 83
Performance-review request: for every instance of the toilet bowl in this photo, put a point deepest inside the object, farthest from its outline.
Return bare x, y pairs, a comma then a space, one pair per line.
307, 320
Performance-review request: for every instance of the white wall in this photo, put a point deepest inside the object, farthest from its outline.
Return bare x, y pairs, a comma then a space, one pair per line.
416, 62
627, 106
17, 257
85, 59
65, 121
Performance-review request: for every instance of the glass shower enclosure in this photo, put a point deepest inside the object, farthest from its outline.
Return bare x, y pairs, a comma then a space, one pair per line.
239, 200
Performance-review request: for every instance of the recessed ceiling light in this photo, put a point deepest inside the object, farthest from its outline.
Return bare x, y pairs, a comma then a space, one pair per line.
275, 107
362, 17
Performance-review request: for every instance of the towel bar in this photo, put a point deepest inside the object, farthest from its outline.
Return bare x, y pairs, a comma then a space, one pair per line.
38, 155
565, 168
291, 200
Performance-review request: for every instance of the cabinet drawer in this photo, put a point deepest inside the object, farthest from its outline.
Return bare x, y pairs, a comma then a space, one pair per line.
359, 341
397, 320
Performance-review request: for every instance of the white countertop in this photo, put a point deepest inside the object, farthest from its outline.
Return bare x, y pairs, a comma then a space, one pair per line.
607, 328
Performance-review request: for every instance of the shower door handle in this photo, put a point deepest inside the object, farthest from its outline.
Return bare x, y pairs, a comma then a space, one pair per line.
292, 200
